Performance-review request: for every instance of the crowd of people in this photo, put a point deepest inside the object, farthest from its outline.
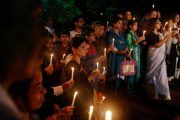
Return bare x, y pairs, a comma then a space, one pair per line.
36, 78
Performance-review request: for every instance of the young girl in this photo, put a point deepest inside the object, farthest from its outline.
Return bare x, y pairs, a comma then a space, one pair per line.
133, 45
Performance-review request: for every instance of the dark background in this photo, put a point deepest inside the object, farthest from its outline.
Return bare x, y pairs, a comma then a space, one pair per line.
138, 7
64, 11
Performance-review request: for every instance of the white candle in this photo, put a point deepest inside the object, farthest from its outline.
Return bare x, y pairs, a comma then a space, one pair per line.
90, 112
72, 73
104, 70
165, 24
153, 6
103, 98
108, 115
97, 65
170, 29
130, 51
113, 41
107, 24
51, 59
74, 98
144, 32
63, 56
104, 51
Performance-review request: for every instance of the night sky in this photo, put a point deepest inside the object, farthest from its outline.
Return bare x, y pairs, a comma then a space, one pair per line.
140, 7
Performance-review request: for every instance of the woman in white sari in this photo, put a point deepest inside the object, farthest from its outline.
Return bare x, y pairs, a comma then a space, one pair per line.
156, 73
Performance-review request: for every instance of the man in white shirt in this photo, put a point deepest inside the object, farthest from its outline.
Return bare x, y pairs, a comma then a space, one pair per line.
79, 25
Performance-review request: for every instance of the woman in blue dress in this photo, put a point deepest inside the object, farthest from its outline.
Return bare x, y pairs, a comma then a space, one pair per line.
116, 51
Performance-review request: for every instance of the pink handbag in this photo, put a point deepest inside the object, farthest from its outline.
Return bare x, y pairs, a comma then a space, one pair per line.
128, 67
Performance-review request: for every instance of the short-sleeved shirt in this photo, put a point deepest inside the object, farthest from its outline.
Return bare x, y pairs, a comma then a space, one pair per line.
152, 38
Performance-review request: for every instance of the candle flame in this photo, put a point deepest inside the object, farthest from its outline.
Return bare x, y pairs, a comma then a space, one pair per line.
166, 23
153, 6
108, 115
103, 98
91, 108
72, 68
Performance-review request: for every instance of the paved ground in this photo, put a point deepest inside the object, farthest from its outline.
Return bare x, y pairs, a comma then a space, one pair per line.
139, 107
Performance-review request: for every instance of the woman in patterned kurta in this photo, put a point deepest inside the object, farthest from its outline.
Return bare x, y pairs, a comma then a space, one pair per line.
133, 44
116, 51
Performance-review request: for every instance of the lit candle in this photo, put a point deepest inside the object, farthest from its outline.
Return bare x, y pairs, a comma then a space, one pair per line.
113, 41
170, 29
97, 65
165, 24
103, 98
51, 59
72, 73
63, 56
134, 18
104, 51
108, 115
74, 98
104, 70
153, 6
144, 32
130, 51
90, 112
107, 24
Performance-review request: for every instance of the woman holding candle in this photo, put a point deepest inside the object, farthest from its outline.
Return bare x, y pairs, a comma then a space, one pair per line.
133, 43
92, 56
83, 79
171, 53
156, 75
115, 52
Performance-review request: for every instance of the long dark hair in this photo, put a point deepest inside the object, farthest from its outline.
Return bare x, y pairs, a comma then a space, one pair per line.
152, 22
130, 23
75, 43
116, 19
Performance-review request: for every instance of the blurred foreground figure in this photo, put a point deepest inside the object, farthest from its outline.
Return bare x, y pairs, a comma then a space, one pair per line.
19, 49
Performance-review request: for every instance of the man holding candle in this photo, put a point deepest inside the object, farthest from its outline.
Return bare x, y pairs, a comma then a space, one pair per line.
100, 41
62, 46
